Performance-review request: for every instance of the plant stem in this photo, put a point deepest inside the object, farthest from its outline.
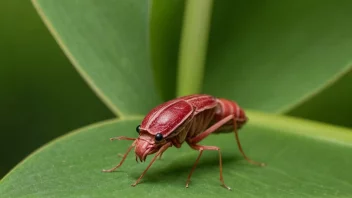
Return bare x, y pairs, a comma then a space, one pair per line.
193, 46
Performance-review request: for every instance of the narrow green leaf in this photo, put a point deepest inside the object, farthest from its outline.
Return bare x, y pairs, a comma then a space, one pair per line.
165, 32
193, 47
107, 41
304, 159
271, 55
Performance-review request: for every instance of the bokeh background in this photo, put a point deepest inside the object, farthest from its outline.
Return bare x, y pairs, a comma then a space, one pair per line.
42, 96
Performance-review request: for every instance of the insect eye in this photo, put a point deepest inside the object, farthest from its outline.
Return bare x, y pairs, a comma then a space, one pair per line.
138, 128
158, 136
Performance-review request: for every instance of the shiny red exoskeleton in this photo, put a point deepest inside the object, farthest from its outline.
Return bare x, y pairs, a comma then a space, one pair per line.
187, 119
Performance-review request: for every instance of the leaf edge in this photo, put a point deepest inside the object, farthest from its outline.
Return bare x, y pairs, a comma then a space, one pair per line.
115, 110
308, 96
69, 134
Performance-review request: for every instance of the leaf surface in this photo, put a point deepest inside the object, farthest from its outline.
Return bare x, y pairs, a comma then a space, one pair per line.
304, 159
303, 46
107, 41
271, 55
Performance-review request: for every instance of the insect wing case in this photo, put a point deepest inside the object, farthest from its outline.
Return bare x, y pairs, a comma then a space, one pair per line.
166, 117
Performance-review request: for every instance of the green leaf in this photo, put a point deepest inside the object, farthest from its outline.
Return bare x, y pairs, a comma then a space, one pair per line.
107, 41
36, 104
272, 55
304, 159
165, 22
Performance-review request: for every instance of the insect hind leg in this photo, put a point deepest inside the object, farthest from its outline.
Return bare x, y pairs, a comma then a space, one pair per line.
201, 148
241, 150
214, 128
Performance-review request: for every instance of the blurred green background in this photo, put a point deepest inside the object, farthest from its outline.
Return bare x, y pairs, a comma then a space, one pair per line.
43, 97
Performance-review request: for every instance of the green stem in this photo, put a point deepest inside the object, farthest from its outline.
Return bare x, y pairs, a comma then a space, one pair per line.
193, 46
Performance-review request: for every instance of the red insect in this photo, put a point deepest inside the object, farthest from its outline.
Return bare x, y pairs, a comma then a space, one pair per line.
187, 119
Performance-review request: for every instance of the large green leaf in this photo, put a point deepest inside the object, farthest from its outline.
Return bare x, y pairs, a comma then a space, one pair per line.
270, 55
107, 41
166, 28
303, 47
303, 159
36, 104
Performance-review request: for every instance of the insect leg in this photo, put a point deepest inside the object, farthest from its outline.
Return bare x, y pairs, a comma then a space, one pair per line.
123, 159
241, 150
122, 138
161, 150
160, 155
217, 125
200, 149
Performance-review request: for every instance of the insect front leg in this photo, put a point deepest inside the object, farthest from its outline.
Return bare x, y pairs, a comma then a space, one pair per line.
161, 155
162, 150
201, 149
123, 159
122, 138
